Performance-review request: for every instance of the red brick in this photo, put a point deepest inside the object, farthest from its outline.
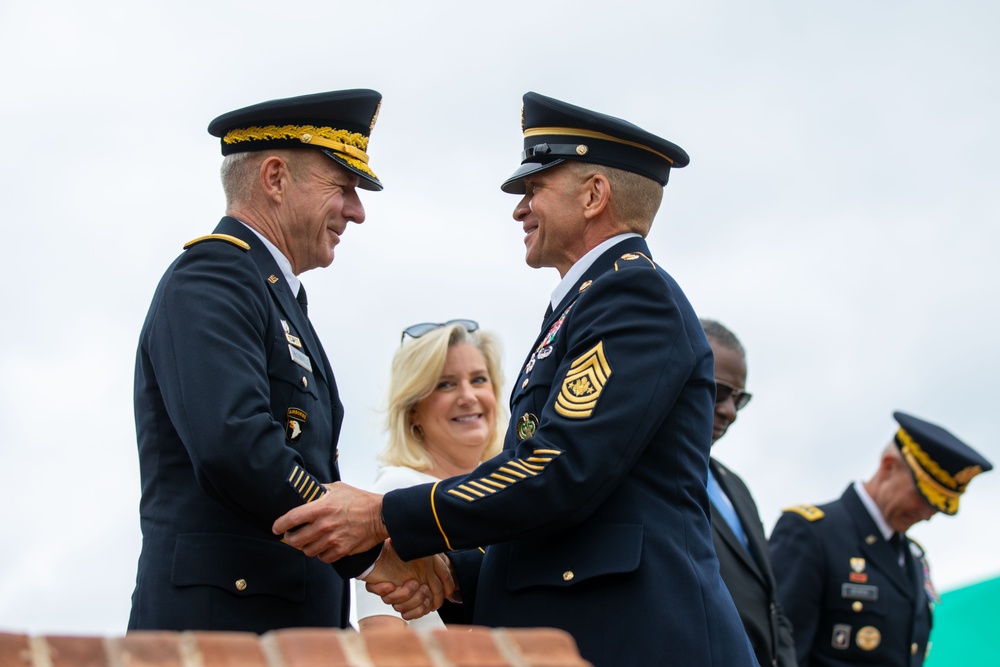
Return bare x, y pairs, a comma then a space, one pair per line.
150, 649
469, 647
14, 650
76, 651
224, 649
396, 648
543, 647
307, 647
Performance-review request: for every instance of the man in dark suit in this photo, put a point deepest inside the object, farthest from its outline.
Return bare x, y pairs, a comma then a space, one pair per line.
237, 410
856, 588
596, 510
736, 527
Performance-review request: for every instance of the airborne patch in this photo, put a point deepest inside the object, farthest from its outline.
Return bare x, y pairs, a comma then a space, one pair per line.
583, 384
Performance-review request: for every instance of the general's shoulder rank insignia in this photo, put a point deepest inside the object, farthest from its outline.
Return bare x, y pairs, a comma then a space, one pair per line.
808, 512
583, 384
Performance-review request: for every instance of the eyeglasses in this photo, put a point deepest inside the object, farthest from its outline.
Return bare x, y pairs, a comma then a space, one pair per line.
724, 390
424, 328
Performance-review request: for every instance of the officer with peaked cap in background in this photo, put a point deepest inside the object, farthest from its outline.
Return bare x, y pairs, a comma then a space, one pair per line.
596, 510
237, 410
856, 589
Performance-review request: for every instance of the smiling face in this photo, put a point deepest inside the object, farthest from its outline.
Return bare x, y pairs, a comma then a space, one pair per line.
321, 199
730, 368
550, 213
458, 419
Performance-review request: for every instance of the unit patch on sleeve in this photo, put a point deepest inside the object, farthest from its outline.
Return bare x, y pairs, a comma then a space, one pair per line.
583, 384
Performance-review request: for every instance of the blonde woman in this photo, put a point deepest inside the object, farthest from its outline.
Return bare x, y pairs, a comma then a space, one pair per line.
443, 417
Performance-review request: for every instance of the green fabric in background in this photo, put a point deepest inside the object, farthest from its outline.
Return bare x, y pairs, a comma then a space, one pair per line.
966, 630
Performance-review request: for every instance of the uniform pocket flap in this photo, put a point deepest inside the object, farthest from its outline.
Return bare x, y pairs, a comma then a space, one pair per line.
239, 564
568, 558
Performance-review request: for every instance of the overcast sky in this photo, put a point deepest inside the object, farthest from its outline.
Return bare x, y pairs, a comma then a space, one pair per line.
840, 214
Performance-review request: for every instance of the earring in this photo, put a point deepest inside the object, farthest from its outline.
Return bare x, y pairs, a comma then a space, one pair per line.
417, 432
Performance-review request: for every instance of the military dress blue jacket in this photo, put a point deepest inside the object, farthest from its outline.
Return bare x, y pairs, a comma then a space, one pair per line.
841, 586
597, 510
237, 417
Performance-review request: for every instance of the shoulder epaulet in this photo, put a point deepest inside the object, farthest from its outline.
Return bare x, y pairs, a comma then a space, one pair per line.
807, 512
239, 243
631, 257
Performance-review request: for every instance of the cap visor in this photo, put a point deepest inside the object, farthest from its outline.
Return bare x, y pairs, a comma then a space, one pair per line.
515, 184
367, 182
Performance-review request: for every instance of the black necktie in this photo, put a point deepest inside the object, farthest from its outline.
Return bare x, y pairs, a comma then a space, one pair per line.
303, 302
897, 544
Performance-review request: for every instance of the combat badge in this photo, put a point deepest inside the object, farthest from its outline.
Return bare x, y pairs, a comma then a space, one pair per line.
841, 636
293, 426
526, 426
868, 638
583, 384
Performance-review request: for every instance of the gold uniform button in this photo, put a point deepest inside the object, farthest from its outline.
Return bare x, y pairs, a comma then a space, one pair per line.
857, 606
568, 575
305, 381
913, 648
241, 584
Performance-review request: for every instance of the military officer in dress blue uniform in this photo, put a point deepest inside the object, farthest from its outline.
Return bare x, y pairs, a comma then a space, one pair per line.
596, 512
237, 410
856, 589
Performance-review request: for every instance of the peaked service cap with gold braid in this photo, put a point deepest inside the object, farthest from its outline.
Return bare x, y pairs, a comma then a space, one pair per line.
942, 465
556, 131
338, 123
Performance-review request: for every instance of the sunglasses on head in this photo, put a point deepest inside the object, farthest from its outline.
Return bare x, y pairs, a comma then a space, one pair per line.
424, 328
724, 390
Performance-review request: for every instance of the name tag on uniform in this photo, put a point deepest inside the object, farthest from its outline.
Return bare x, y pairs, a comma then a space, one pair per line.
301, 358
859, 592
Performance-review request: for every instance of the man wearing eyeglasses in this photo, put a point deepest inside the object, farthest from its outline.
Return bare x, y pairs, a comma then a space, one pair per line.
595, 517
236, 406
857, 589
736, 527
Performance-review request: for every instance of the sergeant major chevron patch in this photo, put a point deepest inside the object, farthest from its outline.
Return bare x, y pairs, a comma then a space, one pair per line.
583, 384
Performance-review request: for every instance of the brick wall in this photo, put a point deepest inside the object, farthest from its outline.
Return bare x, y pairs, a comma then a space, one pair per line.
459, 647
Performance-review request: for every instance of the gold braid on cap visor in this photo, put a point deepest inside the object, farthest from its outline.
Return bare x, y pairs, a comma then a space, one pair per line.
589, 134
940, 489
349, 146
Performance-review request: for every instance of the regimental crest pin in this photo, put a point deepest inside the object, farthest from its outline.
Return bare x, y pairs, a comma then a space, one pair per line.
526, 426
858, 565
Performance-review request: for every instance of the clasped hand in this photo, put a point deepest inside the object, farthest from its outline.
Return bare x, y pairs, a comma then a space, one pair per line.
346, 521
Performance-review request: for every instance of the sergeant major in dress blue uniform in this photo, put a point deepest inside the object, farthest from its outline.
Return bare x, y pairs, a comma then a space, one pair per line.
856, 589
237, 410
597, 510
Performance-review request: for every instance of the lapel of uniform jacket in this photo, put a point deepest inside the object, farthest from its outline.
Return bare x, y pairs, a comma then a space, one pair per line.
604, 263
728, 536
280, 292
880, 554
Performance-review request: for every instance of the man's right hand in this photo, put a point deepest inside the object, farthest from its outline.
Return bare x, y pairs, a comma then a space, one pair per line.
413, 588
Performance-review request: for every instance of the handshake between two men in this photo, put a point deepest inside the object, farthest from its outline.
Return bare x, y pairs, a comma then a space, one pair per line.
346, 521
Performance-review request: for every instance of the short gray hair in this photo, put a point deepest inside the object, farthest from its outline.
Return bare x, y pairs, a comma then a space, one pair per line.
722, 336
